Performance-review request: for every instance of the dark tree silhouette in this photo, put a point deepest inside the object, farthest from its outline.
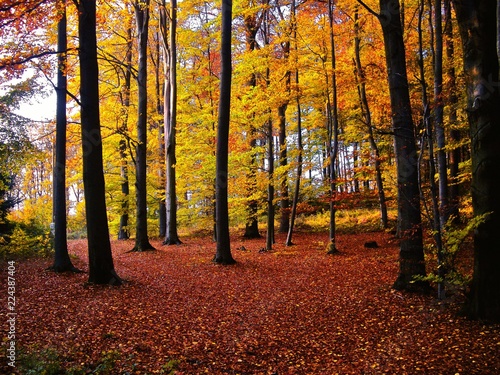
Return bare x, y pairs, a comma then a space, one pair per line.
411, 253
101, 269
223, 254
141, 235
62, 261
478, 21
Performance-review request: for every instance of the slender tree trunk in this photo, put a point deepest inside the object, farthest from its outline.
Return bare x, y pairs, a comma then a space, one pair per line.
295, 201
223, 253
435, 216
477, 21
172, 237
62, 262
452, 102
101, 269
284, 201
333, 130
296, 191
270, 187
160, 109
411, 255
142, 239
356, 163
124, 231
438, 116
365, 109
442, 207
270, 240
252, 224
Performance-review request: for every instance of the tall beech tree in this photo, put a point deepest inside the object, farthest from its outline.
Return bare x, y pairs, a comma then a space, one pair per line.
124, 231
332, 130
62, 261
252, 24
451, 102
411, 253
284, 201
477, 22
296, 191
444, 210
141, 235
223, 254
101, 268
367, 119
170, 53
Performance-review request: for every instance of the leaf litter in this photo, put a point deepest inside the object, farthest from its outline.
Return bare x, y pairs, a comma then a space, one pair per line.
292, 310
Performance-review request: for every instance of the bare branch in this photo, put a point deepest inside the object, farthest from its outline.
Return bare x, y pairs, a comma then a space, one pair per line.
370, 10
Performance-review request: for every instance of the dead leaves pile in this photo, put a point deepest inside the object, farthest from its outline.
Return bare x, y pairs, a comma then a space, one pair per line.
294, 310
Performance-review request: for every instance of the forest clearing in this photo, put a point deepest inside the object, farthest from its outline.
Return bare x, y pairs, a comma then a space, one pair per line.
292, 310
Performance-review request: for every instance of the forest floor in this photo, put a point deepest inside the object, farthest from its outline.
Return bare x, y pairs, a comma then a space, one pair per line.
294, 310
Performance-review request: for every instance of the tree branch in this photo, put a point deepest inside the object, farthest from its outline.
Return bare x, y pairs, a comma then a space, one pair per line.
370, 10
27, 59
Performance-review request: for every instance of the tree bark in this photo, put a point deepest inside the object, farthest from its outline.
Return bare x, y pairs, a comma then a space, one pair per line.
252, 224
124, 231
160, 110
295, 201
367, 118
477, 21
223, 253
141, 235
101, 269
411, 255
171, 236
439, 115
62, 261
333, 130
270, 187
284, 201
451, 103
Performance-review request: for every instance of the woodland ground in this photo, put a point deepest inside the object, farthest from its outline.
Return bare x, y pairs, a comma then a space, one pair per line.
294, 310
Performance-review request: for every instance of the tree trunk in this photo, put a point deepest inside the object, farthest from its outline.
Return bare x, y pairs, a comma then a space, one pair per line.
441, 209
62, 262
141, 236
435, 216
160, 110
333, 130
270, 240
477, 21
171, 236
367, 118
438, 116
283, 162
295, 201
124, 231
411, 255
252, 224
101, 269
452, 101
223, 252
284, 201
270, 187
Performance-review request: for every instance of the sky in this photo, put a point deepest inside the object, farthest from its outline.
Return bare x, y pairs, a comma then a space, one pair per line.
39, 109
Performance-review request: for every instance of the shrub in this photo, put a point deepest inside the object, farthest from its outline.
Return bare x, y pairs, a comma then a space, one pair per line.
26, 242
